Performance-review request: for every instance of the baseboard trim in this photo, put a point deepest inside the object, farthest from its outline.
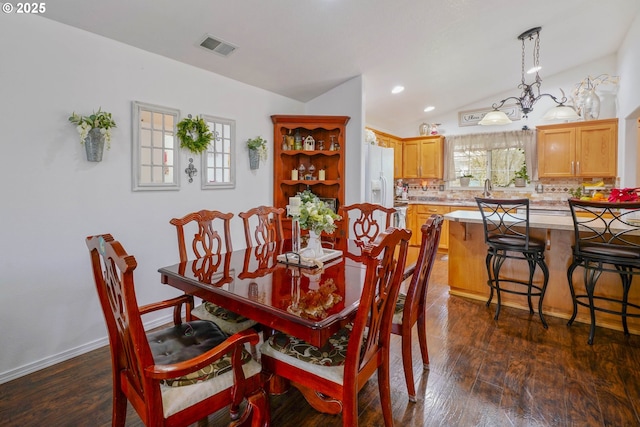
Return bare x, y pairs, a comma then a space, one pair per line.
68, 354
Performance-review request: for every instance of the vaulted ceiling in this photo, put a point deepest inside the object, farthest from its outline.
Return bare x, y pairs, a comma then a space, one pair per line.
446, 53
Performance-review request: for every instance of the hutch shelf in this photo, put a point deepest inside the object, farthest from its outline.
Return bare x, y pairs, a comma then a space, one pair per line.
317, 165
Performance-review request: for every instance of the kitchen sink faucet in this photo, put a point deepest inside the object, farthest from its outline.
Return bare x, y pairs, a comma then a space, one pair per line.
487, 188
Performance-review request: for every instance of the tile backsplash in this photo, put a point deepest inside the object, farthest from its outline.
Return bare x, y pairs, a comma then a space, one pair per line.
553, 190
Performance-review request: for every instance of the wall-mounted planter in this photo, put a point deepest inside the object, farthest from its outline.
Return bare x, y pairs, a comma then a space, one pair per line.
254, 159
94, 145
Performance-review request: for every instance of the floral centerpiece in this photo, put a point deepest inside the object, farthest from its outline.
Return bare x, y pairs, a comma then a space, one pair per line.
315, 215
315, 303
311, 213
100, 120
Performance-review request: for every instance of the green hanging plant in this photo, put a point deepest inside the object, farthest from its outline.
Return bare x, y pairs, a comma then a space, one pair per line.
194, 134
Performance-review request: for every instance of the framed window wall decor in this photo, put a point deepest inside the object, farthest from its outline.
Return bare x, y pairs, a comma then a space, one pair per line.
218, 161
155, 148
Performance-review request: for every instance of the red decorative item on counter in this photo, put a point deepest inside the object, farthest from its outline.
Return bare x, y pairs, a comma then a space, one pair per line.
623, 195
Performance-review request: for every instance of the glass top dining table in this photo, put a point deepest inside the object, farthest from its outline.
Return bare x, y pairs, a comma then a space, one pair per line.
309, 303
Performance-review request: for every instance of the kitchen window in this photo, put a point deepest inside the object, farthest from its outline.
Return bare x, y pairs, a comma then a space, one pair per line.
496, 156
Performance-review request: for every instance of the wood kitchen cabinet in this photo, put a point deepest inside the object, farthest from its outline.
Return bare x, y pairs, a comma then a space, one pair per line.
387, 140
580, 149
423, 157
331, 162
411, 223
421, 214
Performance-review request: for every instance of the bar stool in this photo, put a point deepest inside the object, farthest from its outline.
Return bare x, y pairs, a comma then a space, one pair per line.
506, 232
607, 239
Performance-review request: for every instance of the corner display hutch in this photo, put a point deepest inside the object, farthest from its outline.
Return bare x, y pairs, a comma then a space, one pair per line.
309, 161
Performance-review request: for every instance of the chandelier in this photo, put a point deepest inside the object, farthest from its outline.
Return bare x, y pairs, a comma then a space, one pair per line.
530, 92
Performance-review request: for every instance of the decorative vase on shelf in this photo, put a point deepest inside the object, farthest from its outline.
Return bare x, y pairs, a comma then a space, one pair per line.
589, 105
464, 181
425, 129
254, 159
94, 145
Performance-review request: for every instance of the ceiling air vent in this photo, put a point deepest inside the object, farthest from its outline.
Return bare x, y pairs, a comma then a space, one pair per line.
217, 46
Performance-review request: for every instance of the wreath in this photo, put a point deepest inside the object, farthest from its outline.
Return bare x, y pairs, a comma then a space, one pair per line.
194, 134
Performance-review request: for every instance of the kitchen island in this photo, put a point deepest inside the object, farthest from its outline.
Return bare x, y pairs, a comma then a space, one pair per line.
468, 273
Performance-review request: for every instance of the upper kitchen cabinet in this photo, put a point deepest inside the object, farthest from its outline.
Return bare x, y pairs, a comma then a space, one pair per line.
308, 154
423, 157
578, 149
387, 140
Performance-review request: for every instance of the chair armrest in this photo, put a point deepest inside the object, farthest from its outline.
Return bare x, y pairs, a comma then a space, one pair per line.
408, 272
234, 343
176, 303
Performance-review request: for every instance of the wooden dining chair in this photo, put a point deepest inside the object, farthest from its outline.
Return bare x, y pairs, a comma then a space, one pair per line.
178, 375
210, 238
364, 221
330, 376
262, 225
411, 307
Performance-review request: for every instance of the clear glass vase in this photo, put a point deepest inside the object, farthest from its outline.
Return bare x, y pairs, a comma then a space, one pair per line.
295, 235
589, 105
314, 246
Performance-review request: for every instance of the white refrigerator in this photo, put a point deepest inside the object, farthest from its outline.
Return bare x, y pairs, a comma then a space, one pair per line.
379, 175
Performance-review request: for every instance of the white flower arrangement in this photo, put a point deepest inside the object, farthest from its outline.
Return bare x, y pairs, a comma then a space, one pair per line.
370, 137
98, 120
315, 215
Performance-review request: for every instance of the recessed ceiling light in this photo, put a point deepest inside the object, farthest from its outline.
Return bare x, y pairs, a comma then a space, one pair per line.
429, 108
397, 89
534, 70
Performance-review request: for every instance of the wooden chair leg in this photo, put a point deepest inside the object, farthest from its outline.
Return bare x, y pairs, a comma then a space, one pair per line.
385, 393
350, 409
119, 407
407, 364
422, 340
257, 412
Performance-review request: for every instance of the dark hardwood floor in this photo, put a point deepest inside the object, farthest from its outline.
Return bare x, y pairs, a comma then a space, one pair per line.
483, 373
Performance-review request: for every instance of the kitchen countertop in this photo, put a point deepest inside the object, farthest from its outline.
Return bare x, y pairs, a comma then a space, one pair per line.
535, 204
551, 222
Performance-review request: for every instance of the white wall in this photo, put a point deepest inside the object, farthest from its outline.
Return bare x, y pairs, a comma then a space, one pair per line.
346, 100
629, 103
52, 198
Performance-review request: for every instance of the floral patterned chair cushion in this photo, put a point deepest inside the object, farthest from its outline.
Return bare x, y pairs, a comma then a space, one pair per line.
228, 321
326, 361
332, 353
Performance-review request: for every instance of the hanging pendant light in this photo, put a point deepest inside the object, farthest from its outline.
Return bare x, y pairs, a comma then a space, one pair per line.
530, 92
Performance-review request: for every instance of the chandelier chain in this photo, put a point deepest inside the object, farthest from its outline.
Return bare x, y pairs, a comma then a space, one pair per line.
522, 65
